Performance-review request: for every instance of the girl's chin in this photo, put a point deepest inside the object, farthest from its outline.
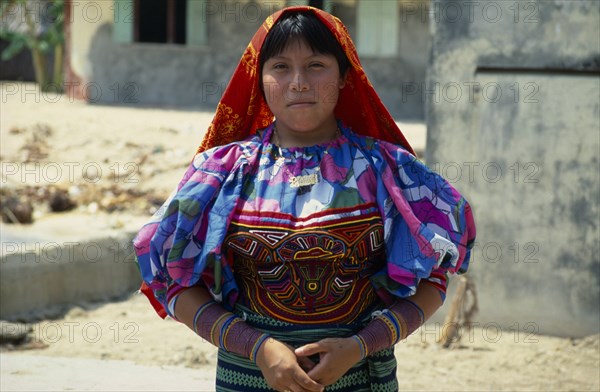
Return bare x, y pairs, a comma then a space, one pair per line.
308, 130
304, 127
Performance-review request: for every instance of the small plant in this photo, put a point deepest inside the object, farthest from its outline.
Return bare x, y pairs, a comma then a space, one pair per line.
43, 36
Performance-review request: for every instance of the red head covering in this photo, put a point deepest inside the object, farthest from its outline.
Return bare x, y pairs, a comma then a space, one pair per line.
243, 110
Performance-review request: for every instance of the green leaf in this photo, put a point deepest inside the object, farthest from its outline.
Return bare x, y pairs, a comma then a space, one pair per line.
44, 46
15, 47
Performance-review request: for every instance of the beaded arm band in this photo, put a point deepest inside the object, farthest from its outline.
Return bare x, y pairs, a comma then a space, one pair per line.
220, 327
390, 326
227, 331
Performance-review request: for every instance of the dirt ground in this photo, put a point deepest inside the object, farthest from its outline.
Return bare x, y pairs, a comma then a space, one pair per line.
111, 159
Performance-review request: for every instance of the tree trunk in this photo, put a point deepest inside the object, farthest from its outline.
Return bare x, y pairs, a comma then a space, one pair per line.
57, 78
39, 66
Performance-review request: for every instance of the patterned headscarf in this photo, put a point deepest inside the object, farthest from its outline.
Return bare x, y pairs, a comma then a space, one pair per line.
243, 109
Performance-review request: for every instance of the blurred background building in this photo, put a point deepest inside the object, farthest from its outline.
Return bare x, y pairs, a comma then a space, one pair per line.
183, 52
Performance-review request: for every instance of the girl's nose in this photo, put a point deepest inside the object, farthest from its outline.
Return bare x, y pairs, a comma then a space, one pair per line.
299, 82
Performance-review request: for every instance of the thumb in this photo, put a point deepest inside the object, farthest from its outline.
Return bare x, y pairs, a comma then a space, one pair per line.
309, 349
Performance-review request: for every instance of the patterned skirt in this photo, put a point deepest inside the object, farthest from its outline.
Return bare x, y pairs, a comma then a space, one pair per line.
377, 372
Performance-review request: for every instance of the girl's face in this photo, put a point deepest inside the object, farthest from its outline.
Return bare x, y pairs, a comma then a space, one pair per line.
302, 89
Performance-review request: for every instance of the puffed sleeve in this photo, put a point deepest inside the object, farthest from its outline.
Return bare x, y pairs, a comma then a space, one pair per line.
182, 243
429, 225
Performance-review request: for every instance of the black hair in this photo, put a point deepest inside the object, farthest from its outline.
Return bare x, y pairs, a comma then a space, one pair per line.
303, 26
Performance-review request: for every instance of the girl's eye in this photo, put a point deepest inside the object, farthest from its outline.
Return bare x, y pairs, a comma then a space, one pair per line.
279, 66
316, 65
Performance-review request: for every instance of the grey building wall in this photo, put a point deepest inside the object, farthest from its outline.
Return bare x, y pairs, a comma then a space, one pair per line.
513, 112
398, 80
177, 75
167, 75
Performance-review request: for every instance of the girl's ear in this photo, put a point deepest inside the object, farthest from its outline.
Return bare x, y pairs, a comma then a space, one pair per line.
343, 80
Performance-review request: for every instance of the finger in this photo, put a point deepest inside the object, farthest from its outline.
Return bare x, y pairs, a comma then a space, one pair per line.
306, 383
309, 349
305, 363
321, 374
317, 372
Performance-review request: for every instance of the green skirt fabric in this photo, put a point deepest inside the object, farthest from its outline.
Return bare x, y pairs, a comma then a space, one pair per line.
377, 372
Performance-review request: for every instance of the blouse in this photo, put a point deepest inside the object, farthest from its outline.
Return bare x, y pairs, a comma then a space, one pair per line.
307, 234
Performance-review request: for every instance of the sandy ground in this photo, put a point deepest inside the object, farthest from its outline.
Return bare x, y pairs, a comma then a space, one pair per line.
111, 159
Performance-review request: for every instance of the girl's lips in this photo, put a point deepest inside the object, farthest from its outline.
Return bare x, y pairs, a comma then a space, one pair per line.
300, 104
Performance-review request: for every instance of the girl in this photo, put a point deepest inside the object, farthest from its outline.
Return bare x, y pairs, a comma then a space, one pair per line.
305, 240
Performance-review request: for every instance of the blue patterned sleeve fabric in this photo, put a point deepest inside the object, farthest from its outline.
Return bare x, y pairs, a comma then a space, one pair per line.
429, 226
182, 243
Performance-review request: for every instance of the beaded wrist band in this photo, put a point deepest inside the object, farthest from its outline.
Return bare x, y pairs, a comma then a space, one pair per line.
411, 314
362, 345
390, 326
199, 312
174, 291
227, 331
379, 334
171, 306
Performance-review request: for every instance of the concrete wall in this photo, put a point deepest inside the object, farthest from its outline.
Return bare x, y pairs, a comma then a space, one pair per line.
158, 74
63, 260
513, 108
41, 279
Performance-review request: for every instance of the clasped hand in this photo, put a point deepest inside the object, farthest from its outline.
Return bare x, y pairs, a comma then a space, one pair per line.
289, 369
